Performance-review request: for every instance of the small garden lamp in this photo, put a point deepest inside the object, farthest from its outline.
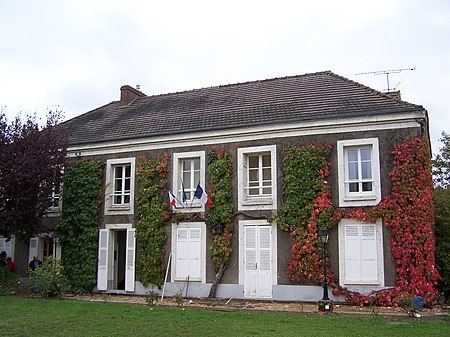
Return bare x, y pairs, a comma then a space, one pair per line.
325, 303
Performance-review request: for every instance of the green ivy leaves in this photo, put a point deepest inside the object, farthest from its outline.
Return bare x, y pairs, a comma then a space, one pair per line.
79, 224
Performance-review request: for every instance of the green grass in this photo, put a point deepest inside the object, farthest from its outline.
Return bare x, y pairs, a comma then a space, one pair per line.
39, 317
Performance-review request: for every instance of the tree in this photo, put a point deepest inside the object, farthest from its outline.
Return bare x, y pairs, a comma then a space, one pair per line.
441, 163
31, 164
441, 172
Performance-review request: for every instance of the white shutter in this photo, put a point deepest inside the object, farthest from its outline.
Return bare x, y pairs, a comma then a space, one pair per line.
102, 271
182, 256
265, 262
250, 262
56, 249
352, 253
33, 249
6, 246
195, 253
369, 261
130, 260
189, 254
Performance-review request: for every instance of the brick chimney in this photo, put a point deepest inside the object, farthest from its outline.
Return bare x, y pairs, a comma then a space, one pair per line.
129, 94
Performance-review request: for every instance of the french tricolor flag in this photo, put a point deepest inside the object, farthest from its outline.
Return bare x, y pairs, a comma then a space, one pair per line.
172, 199
200, 194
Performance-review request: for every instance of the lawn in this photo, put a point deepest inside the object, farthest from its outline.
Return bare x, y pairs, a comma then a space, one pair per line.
39, 317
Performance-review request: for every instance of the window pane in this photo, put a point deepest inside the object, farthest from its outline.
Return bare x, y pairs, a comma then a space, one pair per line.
253, 175
352, 155
366, 154
117, 199
196, 178
266, 160
253, 191
353, 187
267, 190
267, 174
366, 168
253, 161
187, 180
353, 171
118, 172
196, 164
118, 186
128, 171
367, 187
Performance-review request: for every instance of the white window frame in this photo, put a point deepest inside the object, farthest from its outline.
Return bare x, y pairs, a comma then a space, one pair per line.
8, 246
189, 225
355, 199
380, 257
196, 205
110, 207
246, 202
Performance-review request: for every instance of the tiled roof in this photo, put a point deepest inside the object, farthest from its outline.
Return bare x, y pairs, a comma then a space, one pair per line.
309, 97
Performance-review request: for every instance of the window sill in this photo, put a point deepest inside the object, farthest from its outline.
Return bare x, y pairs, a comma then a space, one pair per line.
113, 210
257, 201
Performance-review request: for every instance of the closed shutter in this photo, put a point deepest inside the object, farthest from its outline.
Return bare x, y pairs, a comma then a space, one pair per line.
130, 260
369, 271
189, 254
360, 253
102, 271
250, 262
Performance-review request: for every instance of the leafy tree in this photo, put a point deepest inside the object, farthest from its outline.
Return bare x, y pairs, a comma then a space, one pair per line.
31, 162
441, 172
441, 163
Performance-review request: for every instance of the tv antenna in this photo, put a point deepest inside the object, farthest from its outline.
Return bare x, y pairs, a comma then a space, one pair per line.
387, 72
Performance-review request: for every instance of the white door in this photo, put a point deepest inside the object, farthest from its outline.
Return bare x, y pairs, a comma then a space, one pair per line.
257, 262
188, 260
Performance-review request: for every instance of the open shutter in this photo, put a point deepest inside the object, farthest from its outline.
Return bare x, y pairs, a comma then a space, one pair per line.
33, 249
369, 270
102, 271
6, 246
352, 253
129, 273
56, 249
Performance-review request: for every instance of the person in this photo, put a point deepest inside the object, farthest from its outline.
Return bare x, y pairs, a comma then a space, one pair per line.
3, 259
11, 265
35, 263
33, 266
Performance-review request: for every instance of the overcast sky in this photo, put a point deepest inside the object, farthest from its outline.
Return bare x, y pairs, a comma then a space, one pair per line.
76, 54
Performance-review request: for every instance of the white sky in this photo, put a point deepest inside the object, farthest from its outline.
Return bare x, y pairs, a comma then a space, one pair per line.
75, 54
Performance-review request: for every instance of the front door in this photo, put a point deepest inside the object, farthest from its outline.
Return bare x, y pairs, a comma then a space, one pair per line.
116, 252
257, 261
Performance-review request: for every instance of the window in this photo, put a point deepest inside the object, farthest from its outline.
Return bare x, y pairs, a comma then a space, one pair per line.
120, 186
257, 178
360, 253
54, 200
189, 251
359, 172
188, 172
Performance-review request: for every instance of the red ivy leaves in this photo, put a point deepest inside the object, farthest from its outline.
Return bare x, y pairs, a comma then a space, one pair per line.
407, 212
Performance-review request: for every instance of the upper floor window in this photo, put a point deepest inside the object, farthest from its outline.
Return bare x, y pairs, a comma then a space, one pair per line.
120, 186
257, 177
188, 172
359, 172
54, 199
